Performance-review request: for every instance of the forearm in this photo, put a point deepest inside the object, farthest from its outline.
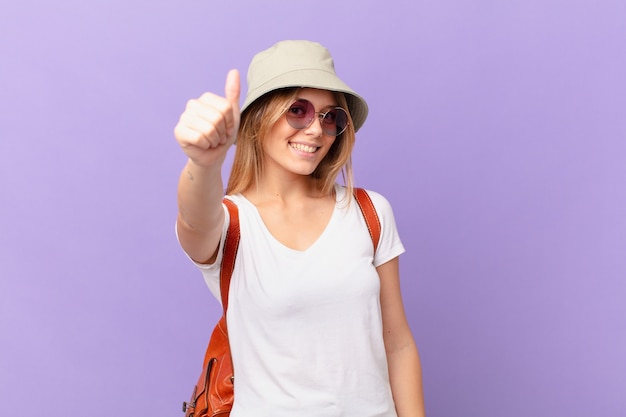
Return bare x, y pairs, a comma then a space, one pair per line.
200, 213
405, 376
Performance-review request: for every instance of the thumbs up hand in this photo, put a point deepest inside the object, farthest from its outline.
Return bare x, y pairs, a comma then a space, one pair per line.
208, 126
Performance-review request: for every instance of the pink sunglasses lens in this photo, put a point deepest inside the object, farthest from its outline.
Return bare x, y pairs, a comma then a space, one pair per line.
300, 114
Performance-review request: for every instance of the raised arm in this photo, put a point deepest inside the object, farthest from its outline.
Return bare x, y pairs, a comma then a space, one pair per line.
206, 130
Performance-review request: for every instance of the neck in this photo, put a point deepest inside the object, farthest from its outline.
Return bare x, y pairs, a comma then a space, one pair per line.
285, 190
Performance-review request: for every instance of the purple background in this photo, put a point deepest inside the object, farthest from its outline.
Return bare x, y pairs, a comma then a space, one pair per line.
497, 130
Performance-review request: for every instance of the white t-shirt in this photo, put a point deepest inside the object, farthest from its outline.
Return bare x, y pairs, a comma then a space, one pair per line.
305, 327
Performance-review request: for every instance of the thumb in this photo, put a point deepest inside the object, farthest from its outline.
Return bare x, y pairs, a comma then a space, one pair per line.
233, 87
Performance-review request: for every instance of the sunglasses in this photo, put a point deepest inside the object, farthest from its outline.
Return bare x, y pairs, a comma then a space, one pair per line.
301, 114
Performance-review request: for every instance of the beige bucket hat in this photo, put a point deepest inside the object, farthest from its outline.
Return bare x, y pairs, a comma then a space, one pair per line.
299, 63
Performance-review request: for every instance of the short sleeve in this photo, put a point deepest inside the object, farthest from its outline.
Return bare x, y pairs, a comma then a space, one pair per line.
390, 245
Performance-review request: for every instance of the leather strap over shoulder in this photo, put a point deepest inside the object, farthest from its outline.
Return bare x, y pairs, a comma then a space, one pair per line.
231, 244
370, 215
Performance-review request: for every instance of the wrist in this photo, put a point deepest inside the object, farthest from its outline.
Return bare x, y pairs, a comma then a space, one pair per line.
201, 169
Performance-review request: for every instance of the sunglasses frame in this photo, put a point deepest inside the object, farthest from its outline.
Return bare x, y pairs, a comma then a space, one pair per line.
320, 115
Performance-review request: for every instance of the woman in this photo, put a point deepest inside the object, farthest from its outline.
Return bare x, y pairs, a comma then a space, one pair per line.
315, 318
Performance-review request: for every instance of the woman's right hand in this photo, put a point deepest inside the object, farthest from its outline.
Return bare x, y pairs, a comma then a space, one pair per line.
208, 126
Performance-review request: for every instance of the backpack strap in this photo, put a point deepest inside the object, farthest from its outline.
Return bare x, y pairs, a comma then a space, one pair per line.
231, 241
370, 215
231, 244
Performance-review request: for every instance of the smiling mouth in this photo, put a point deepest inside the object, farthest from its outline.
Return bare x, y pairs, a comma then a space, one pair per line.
304, 148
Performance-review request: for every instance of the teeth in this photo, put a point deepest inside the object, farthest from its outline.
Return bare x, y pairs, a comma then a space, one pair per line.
303, 148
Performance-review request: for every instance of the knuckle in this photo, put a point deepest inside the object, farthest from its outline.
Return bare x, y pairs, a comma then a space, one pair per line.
191, 103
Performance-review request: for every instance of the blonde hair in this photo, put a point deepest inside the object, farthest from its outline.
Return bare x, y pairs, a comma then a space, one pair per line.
256, 123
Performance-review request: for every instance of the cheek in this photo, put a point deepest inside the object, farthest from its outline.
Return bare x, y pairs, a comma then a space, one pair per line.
328, 145
281, 128
330, 141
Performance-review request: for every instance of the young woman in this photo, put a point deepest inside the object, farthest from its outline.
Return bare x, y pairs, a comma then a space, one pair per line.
315, 318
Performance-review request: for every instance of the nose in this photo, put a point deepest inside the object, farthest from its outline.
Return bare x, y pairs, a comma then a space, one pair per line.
315, 128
